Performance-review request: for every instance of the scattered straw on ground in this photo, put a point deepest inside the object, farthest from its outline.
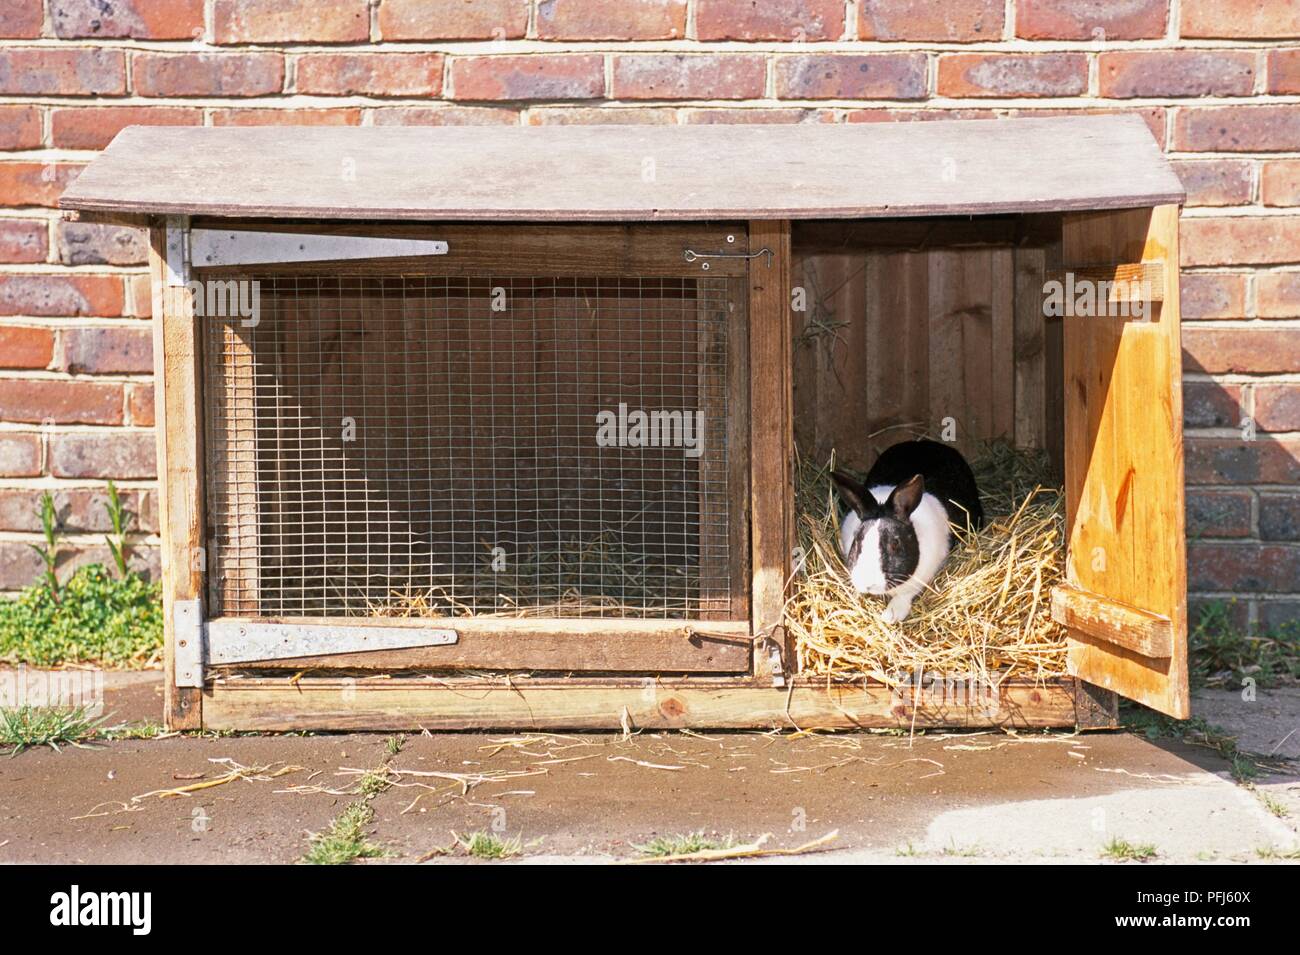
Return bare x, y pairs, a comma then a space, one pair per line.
985, 617
751, 850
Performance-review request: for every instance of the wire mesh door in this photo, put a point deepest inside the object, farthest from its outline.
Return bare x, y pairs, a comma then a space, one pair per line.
425, 446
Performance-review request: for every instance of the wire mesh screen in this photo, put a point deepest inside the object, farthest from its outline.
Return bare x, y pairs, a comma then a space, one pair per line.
411, 446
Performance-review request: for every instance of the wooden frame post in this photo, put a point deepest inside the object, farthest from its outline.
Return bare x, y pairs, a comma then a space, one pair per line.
180, 462
771, 487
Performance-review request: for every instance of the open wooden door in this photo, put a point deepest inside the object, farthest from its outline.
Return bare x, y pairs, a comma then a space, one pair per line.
1126, 599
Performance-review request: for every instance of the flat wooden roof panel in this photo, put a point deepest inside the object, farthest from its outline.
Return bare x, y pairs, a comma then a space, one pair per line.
631, 173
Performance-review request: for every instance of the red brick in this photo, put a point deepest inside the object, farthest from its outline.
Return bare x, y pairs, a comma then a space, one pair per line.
24, 240
20, 566
1238, 568
851, 76
140, 402
290, 21
20, 127
1216, 182
1091, 19
625, 20
42, 401
1284, 71
1236, 461
1125, 74
797, 20
141, 300
207, 74
53, 72
79, 510
1277, 407
689, 76
20, 454
1265, 240
444, 116
60, 295
1013, 74
1219, 514
953, 21
21, 19
596, 116
1205, 295
1279, 520
529, 76
1237, 128
107, 351
1240, 19
137, 19
1153, 116
1279, 183
79, 127
1277, 294
124, 455
35, 183
1259, 351
371, 74
452, 19
1210, 404
24, 347
725, 116
93, 243
287, 117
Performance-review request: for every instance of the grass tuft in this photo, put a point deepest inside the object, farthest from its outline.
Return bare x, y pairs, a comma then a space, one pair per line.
1121, 850
1273, 854
27, 726
485, 845
662, 847
345, 840
1222, 655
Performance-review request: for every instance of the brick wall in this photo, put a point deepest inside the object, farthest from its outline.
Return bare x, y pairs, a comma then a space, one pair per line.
1218, 81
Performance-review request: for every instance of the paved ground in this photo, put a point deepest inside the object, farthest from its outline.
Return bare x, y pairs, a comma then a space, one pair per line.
944, 798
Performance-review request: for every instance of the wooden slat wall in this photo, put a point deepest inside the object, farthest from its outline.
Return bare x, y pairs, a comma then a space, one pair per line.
894, 342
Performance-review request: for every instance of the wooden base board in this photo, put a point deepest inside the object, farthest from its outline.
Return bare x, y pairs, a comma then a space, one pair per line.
413, 703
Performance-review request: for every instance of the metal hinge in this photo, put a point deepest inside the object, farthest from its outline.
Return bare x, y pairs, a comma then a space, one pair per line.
199, 643
766, 643
187, 642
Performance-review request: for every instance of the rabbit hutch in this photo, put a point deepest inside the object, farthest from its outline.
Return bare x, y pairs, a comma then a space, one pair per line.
496, 427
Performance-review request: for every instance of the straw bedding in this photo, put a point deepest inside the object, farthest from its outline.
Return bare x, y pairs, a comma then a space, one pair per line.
985, 617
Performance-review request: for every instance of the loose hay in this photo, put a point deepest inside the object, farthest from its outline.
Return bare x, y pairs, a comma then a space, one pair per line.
598, 576
986, 616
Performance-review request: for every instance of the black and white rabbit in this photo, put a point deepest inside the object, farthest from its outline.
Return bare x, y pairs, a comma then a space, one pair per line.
897, 532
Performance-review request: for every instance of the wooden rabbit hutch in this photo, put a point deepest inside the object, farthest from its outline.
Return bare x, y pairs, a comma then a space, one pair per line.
494, 428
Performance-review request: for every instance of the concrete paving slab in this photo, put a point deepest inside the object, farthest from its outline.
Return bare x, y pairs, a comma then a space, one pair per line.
945, 798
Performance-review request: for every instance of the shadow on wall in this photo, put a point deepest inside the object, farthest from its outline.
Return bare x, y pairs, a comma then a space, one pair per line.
1243, 499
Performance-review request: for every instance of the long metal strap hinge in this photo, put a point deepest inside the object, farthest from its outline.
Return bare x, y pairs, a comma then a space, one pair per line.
199, 643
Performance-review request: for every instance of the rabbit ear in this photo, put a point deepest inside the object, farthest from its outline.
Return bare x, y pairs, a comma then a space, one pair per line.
906, 497
854, 493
